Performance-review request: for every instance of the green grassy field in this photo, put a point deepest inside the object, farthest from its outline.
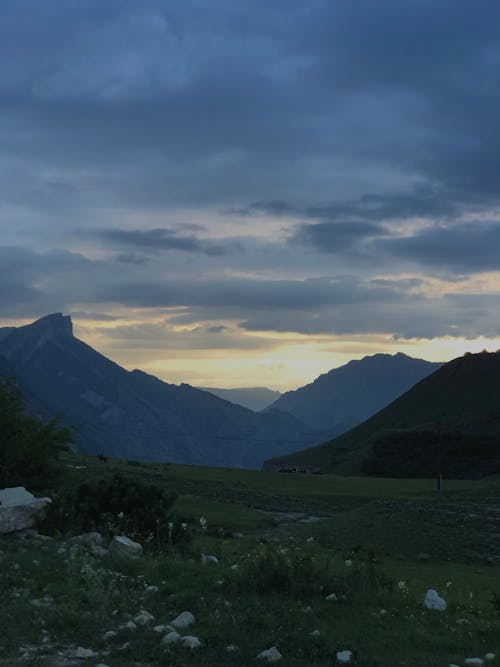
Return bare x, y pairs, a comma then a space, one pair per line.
283, 543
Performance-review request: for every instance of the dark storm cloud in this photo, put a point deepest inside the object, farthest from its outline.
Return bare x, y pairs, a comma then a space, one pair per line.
465, 248
162, 239
351, 118
338, 236
235, 296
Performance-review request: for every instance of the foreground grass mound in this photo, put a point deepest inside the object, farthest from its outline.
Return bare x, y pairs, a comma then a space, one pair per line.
270, 561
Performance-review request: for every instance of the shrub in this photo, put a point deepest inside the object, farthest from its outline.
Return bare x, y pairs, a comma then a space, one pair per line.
29, 448
121, 505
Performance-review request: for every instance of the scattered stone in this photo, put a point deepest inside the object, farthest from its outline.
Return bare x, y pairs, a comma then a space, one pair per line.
101, 664
123, 546
315, 633
462, 621
344, 657
171, 638
161, 629
432, 600
231, 648
271, 655
473, 662
109, 635
190, 642
151, 589
490, 656
98, 551
235, 567
19, 509
84, 653
209, 559
143, 617
307, 610
183, 620
124, 646
131, 626
332, 597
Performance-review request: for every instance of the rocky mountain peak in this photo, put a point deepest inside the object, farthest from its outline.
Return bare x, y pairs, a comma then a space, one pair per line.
54, 325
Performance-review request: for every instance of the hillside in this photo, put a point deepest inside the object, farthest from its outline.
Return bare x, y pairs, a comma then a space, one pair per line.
132, 414
344, 397
452, 416
253, 398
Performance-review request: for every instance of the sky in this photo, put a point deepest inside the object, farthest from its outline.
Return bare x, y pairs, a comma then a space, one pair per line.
250, 193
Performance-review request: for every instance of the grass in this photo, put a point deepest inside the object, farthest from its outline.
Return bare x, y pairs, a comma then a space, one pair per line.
276, 594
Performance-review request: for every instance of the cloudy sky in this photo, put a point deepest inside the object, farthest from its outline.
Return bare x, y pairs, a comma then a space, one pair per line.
246, 192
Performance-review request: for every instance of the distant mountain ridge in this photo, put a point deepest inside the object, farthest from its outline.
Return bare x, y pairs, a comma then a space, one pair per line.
448, 422
344, 397
253, 398
135, 415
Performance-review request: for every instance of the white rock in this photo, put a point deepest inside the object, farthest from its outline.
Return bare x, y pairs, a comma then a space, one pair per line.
143, 617
231, 648
344, 657
433, 601
84, 653
209, 559
171, 638
490, 656
129, 626
183, 620
453, 665
110, 634
19, 509
123, 546
190, 642
101, 664
315, 633
271, 655
151, 589
462, 621
161, 629
473, 662
332, 597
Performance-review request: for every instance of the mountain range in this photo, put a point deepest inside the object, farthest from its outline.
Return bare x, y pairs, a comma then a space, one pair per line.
253, 398
448, 423
344, 397
133, 415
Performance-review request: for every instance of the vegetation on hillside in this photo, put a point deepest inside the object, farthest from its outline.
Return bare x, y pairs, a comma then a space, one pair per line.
29, 448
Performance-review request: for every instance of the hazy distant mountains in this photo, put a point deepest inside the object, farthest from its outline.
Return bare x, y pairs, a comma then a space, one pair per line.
253, 398
346, 396
450, 421
134, 415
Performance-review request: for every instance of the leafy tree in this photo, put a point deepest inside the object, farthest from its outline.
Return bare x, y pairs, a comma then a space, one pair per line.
29, 448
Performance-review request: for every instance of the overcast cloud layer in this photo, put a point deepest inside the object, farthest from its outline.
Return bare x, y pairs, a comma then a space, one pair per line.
235, 167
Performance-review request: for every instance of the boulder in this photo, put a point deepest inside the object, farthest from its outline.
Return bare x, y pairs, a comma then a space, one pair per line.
344, 657
183, 620
123, 546
189, 641
19, 509
270, 655
433, 600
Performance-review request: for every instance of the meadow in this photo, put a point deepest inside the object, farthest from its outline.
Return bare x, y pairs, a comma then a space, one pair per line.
309, 564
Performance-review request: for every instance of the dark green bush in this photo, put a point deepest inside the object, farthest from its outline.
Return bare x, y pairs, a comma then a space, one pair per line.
121, 505
29, 449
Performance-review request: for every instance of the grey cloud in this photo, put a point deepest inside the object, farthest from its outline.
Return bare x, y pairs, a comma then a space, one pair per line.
162, 239
336, 237
465, 247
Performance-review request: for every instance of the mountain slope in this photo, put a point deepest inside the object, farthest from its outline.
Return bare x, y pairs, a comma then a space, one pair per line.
346, 396
253, 398
450, 420
134, 415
